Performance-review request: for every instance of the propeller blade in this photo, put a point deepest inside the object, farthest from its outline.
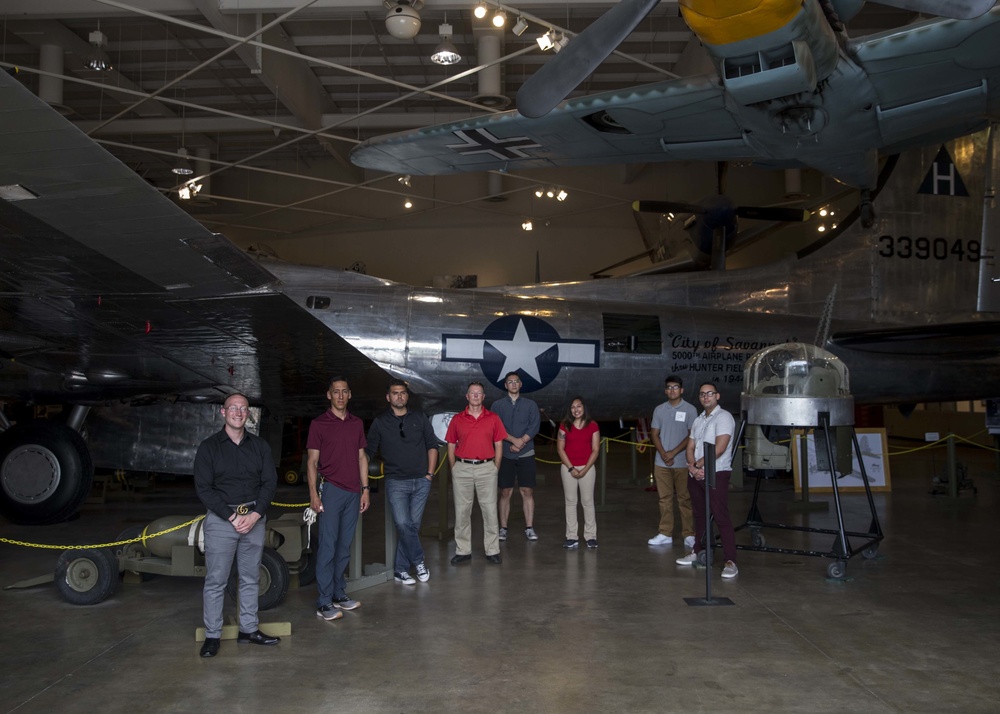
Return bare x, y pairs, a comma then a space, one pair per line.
667, 207
543, 90
763, 213
953, 9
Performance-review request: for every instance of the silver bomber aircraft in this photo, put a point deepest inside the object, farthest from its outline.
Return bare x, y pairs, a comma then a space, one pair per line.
791, 89
120, 309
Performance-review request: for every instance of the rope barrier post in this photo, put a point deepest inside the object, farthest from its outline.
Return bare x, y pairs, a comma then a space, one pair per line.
632, 437
708, 600
952, 467
444, 533
604, 471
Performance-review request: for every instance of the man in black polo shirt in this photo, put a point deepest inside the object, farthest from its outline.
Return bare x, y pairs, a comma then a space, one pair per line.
235, 478
410, 453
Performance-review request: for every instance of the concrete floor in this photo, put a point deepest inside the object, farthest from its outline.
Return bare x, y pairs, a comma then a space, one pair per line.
913, 630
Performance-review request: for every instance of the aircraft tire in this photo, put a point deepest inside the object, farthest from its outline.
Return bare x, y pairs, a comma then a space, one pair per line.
86, 576
45, 473
273, 583
307, 573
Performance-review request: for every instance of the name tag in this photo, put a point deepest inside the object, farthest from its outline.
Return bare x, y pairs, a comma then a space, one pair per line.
680, 416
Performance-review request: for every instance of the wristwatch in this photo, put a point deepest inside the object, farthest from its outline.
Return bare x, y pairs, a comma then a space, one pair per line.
366, 488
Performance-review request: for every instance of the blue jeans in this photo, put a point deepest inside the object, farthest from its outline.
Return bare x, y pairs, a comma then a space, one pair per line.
407, 498
335, 526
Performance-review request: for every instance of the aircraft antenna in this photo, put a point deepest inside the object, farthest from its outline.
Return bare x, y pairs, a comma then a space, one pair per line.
823, 330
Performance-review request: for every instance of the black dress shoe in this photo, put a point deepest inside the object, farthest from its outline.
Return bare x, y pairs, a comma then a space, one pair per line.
456, 559
211, 647
495, 559
257, 638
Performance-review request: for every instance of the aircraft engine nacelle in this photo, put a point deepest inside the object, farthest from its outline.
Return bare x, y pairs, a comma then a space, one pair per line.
765, 49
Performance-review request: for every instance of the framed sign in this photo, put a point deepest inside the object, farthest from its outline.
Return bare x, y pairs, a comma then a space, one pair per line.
874, 453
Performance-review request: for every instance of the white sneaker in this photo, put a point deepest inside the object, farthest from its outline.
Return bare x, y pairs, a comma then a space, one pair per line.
689, 559
423, 574
689, 542
730, 571
404, 578
660, 539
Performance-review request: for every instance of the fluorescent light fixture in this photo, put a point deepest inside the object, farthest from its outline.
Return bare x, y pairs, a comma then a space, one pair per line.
520, 26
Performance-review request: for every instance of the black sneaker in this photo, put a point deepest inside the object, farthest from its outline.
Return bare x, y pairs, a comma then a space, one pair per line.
592, 543
570, 544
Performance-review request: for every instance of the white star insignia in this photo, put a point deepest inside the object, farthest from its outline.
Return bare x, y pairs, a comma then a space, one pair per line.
521, 352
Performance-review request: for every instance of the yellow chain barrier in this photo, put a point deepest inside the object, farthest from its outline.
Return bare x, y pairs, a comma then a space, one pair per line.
142, 537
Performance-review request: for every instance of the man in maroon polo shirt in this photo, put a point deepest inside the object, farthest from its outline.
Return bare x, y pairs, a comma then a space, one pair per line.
475, 446
337, 470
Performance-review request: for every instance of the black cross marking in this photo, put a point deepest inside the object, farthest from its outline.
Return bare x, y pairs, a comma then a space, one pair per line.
480, 141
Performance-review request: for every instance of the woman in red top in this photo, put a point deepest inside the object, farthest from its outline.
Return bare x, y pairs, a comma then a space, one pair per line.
578, 445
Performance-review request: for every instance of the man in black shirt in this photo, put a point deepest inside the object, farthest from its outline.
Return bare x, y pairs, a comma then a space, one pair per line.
235, 478
410, 452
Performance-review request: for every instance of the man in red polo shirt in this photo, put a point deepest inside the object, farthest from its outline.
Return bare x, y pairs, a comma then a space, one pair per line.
475, 446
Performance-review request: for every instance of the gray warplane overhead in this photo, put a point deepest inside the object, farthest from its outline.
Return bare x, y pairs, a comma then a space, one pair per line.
113, 297
791, 89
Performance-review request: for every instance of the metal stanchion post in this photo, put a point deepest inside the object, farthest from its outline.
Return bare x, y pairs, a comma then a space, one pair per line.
635, 455
952, 467
709, 485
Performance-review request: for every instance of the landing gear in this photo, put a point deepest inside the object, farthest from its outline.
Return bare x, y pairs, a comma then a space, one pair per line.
45, 473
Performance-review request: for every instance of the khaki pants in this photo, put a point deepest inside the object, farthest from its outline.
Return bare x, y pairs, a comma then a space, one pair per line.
585, 486
471, 481
671, 485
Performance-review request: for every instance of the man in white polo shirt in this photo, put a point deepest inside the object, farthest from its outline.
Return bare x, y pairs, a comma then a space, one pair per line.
717, 426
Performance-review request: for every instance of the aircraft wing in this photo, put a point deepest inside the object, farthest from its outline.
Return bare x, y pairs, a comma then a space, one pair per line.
931, 77
967, 340
109, 291
677, 120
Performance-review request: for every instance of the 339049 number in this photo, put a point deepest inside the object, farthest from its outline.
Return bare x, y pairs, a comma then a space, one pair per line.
922, 248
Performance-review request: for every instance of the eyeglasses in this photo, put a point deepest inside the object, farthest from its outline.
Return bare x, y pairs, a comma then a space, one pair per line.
513, 381
237, 410
706, 394
672, 388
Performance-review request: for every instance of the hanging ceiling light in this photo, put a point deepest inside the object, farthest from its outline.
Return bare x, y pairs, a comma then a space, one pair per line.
97, 58
520, 26
527, 225
183, 167
539, 192
405, 180
407, 203
446, 53
480, 11
562, 195
560, 42
499, 18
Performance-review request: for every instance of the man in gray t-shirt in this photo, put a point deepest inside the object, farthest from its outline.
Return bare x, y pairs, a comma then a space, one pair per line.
669, 432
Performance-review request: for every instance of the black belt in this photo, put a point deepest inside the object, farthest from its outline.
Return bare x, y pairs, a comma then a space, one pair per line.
243, 508
474, 461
